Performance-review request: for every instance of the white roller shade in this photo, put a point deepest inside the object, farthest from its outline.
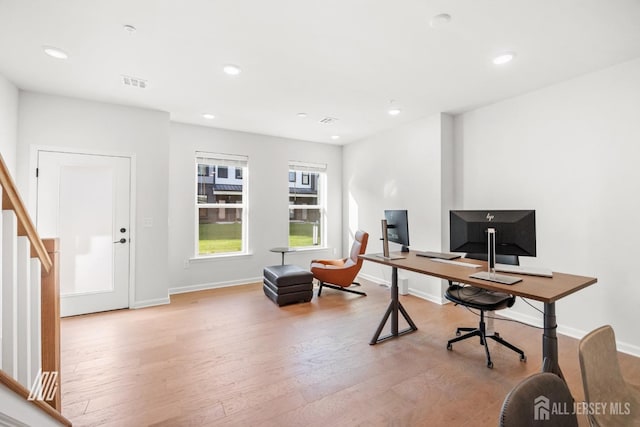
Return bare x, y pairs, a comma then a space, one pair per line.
221, 159
307, 167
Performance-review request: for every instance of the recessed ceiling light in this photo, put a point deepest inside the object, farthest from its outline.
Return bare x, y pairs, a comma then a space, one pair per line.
232, 70
440, 20
334, 137
54, 52
302, 115
394, 111
129, 28
208, 116
504, 58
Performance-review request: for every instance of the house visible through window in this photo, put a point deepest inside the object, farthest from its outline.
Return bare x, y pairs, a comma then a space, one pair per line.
307, 204
221, 204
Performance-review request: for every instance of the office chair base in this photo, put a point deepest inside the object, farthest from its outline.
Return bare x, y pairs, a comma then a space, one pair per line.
339, 288
481, 333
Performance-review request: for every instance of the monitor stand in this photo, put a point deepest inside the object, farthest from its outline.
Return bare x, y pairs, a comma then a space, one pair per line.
491, 274
498, 278
389, 257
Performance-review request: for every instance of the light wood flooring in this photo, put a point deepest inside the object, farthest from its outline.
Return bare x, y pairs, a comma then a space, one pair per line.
230, 357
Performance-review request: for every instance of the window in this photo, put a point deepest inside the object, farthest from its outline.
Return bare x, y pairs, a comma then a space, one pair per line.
221, 204
307, 204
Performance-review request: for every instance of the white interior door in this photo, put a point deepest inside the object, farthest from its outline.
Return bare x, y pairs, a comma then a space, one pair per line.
84, 200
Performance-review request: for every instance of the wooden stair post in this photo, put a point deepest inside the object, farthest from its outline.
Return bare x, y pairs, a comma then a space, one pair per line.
51, 318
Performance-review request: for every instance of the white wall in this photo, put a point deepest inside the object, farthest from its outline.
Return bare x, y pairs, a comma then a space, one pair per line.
571, 152
8, 123
268, 204
55, 121
408, 167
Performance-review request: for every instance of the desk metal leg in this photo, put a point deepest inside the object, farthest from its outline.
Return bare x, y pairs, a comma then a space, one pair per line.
550, 341
394, 307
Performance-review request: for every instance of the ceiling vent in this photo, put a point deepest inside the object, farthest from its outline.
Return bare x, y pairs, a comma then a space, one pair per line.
134, 81
328, 120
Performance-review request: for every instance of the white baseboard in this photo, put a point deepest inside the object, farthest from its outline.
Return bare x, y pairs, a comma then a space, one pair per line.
623, 347
151, 303
578, 334
374, 279
213, 285
436, 299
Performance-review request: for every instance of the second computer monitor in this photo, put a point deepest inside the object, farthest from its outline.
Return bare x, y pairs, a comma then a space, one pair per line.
398, 227
515, 231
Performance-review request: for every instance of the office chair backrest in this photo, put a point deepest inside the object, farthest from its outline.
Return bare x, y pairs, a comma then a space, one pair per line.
528, 403
359, 246
500, 259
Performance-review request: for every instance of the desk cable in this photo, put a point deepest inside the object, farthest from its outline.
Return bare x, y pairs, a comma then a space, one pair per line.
476, 291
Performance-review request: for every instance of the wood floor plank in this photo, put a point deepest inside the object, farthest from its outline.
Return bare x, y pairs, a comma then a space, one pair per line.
230, 357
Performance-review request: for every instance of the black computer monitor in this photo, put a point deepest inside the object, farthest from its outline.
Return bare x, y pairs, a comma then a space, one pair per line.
398, 227
515, 231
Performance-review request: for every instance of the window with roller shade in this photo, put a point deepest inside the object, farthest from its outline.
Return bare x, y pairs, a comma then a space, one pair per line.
221, 204
307, 204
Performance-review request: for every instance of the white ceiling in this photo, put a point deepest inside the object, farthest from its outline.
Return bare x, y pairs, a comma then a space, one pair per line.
345, 59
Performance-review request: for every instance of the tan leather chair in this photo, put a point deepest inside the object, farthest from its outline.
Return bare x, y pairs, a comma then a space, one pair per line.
340, 273
603, 381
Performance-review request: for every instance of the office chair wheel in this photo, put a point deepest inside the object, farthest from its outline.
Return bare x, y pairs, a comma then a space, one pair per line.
458, 333
490, 364
449, 347
523, 358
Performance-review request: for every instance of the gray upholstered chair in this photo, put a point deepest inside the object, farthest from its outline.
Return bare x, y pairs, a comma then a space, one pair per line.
603, 381
531, 403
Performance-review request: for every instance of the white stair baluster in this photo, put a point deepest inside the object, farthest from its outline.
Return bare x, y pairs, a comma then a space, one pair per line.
24, 308
9, 293
36, 325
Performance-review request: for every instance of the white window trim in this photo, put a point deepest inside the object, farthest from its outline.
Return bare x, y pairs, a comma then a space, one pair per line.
321, 170
223, 160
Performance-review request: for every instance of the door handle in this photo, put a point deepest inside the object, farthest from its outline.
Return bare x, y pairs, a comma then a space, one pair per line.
123, 240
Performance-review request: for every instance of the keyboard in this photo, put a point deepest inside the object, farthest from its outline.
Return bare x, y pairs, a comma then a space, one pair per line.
458, 263
438, 255
518, 269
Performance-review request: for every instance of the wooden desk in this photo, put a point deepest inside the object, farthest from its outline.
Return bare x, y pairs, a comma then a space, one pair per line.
545, 289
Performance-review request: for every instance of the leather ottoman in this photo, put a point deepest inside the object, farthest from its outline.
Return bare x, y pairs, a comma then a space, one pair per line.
287, 284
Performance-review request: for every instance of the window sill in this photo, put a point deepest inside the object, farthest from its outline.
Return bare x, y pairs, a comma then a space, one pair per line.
221, 257
311, 249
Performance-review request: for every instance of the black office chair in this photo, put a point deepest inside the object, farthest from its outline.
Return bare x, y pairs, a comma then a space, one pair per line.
483, 300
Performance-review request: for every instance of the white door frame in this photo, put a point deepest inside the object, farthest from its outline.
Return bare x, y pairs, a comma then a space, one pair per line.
33, 198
